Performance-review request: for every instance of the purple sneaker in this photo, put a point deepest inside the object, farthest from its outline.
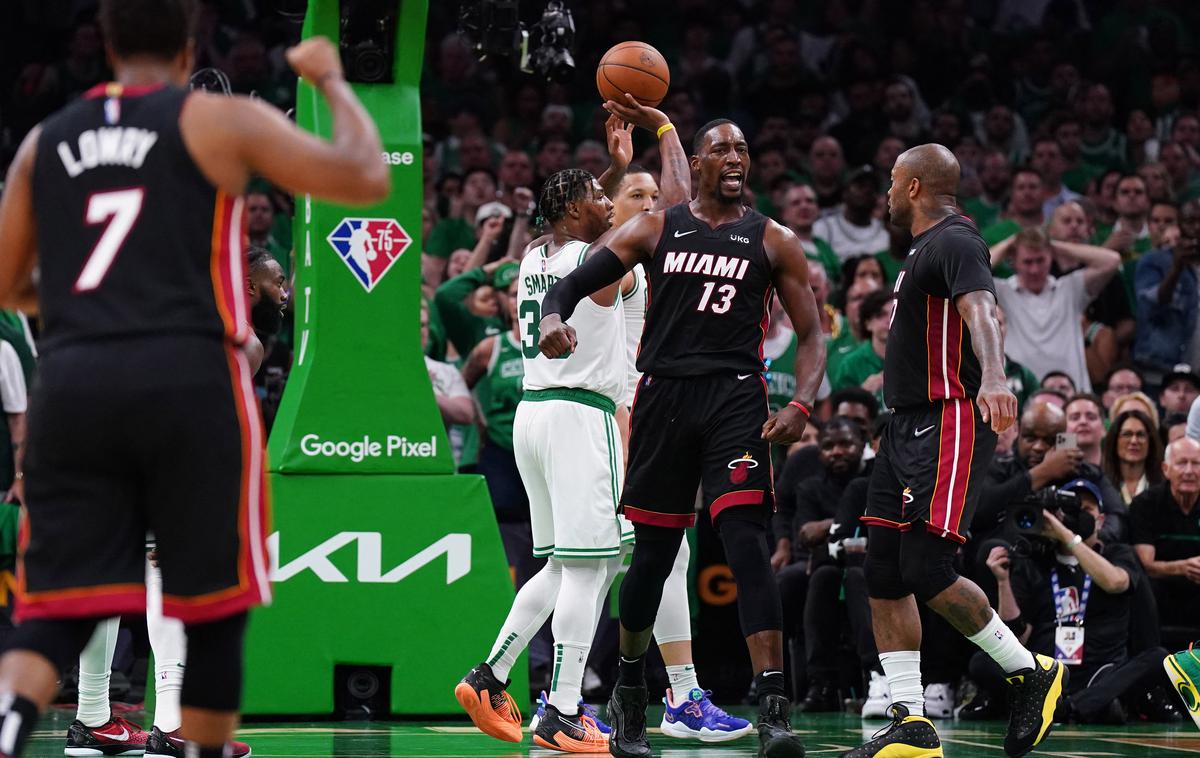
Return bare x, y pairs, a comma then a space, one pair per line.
696, 718
584, 710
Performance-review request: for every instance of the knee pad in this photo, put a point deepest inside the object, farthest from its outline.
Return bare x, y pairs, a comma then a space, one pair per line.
927, 563
58, 640
881, 568
744, 536
641, 591
212, 679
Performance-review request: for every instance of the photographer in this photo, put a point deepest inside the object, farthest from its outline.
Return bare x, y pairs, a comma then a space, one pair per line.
1066, 593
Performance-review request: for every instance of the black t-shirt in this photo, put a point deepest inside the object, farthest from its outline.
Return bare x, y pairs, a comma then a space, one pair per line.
1158, 520
929, 355
1111, 306
1106, 618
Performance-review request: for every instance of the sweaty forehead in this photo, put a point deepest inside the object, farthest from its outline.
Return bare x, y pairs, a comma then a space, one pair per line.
723, 133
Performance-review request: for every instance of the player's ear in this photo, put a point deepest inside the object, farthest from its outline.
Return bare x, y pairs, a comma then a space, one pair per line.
694, 162
914, 187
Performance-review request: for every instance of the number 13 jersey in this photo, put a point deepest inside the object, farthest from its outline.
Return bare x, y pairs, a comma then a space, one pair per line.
709, 297
133, 240
599, 362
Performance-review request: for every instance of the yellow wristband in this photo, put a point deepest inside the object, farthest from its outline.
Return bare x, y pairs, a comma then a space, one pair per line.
664, 129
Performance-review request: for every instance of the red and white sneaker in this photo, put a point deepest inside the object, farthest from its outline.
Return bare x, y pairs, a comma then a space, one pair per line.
170, 745
115, 737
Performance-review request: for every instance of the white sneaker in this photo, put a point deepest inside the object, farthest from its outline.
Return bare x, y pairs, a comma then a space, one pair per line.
939, 701
879, 697
591, 680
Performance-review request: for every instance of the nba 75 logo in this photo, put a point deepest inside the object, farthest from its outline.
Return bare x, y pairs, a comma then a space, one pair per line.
369, 247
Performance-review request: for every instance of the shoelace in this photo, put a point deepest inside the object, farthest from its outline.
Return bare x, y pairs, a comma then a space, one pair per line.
897, 720
590, 728
709, 708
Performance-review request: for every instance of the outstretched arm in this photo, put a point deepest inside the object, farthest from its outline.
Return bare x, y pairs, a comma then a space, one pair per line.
997, 404
676, 177
791, 282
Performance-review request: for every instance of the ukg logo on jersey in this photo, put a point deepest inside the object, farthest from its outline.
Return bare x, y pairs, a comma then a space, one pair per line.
360, 449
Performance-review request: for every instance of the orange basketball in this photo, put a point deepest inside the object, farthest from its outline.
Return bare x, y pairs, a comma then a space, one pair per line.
636, 68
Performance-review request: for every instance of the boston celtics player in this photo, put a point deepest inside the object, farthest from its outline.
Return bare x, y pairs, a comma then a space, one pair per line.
569, 452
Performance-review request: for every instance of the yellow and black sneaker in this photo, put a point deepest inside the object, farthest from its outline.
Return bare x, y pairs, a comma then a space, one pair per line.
1183, 669
906, 737
1033, 696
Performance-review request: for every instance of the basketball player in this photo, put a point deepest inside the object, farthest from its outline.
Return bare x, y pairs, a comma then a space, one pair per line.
95, 727
944, 377
131, 198
701, 411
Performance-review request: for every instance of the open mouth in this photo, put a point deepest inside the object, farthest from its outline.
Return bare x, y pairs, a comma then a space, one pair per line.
732, 180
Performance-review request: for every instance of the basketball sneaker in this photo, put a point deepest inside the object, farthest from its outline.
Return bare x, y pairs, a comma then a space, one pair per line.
170, 745
906, 737
879, 697
1033, 696
1183, 669
939, 700
584, 710
775, 736
115, 737
696, 718
569, 734
492, 710
627, 712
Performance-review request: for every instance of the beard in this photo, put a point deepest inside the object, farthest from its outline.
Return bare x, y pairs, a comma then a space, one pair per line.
266, 317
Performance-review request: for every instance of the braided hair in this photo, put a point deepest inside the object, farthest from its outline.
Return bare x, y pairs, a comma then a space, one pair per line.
561, 188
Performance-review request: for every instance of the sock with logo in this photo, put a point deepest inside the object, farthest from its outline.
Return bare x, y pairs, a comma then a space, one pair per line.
192, 750
903, 671
682, 679
998, 641
95, 671
168, 640
18, 716
631, 672
768, 683
529, 611
574, 625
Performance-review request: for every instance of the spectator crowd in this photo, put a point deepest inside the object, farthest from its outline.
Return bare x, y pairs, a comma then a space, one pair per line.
1077, 127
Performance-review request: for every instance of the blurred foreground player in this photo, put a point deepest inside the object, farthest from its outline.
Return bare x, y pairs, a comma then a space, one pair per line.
944, 377
700, 417
131, 197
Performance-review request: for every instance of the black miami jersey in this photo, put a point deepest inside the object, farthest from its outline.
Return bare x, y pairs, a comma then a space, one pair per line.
708, 299
132, 239
929, 355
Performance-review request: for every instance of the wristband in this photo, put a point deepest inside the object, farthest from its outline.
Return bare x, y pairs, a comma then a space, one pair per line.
664, 129
801, 407
1075, 542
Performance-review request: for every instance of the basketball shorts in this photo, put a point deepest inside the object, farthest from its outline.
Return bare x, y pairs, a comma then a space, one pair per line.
930, 468
705, 432
569, 453
137, 435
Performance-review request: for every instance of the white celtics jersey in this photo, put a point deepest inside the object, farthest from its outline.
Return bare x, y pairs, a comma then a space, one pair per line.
634, 303
598, 363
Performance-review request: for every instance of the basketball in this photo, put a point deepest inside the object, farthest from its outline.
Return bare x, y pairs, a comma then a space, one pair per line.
636, 68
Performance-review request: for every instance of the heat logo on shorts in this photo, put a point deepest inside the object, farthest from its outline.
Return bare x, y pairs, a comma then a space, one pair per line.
740, 468
369, 247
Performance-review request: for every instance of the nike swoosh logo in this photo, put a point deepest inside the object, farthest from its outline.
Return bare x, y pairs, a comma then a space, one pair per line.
745, 376
124, 735
919, 432
684, 234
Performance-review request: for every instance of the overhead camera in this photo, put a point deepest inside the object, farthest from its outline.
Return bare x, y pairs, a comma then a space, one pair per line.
366, 40
493, 27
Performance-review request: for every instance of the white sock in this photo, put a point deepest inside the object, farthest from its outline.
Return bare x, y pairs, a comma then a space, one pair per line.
168, 640
529, 611
674, 620
574, 625
95, 671
683, 680
998, 641
903, 671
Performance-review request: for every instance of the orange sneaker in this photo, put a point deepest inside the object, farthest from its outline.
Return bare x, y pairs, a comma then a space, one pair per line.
492, 709
570, 734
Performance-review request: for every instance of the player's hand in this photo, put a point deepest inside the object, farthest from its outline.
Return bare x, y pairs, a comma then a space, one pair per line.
637, 114
785, 426
998, 562
314, 59
997, 404
620, 142
558, 338
782, 555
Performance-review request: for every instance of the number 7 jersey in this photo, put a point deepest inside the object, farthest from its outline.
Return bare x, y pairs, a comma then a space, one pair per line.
132, 238
599, 362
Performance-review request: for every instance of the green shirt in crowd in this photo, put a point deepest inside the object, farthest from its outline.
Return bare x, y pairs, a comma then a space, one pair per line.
449, 235
855, 367
983, 213
462, 328
500, 390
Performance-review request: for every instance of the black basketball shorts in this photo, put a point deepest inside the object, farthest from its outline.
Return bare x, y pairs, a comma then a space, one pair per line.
930, 468
703, 431
129, 436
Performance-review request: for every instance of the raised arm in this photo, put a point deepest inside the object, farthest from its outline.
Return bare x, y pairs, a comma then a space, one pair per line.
997, 404
1100, 263
790, 273
619, 136
676, 184
615, 253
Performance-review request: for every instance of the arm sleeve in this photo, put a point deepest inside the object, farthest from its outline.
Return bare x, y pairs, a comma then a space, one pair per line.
601, 269
12, 380
965, 262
